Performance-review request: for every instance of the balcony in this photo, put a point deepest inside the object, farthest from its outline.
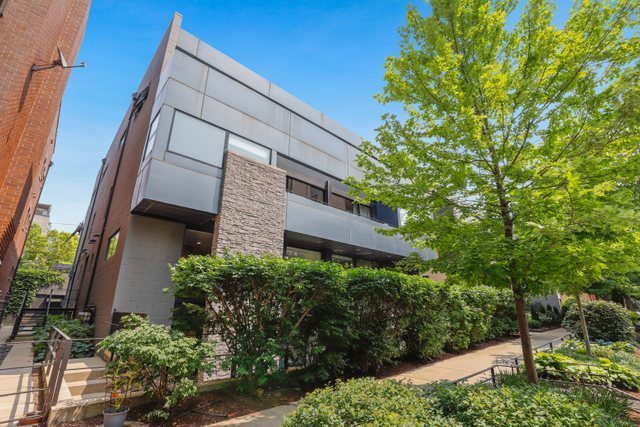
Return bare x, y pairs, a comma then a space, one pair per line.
311, 218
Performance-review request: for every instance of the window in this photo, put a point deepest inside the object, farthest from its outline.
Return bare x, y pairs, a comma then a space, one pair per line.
112, 246
291, 252
197, 139
249, 149
341, 202
363, 210
303, 189
3, 7
341, 259
151, 140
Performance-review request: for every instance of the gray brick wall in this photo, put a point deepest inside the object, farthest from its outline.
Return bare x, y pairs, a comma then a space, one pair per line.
252, 208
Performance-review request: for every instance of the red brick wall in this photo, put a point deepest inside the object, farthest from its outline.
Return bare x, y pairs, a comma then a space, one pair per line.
30, 30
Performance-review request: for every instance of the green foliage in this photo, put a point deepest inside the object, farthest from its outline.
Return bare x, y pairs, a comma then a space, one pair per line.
381, 313
516, 403
27, 281
534, 324
275, 313
412, 264
367, 402
73, 328
269, 309
594, 371
605, 321
164, 362
46, 250
516, 157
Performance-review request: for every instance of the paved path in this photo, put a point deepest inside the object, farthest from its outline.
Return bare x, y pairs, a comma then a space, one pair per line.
449, 369
474, 361
17, 379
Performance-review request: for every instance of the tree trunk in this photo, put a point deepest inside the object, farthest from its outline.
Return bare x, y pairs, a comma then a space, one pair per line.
525, 338
583, 325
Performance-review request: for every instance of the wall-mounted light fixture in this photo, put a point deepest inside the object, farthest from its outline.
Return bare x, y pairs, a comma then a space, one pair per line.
60, 61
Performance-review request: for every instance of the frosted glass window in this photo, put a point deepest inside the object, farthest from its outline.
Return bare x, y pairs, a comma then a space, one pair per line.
249, 149
197, 139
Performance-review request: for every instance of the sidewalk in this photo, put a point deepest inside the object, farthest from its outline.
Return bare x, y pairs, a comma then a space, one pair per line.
474, 361
449, 369
13, 380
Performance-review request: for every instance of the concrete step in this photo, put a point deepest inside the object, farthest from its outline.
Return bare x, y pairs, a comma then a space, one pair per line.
23, 337
83, 374
80, 388
84, 369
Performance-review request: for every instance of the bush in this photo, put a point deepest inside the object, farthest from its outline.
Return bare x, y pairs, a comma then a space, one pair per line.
606, 321
163, 362
534, 324
73, 328
521, 404
275, 313
367, 401
269, 309
381, 307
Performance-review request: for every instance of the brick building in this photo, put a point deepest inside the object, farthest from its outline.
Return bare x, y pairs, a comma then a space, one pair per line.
31, 31
212, 157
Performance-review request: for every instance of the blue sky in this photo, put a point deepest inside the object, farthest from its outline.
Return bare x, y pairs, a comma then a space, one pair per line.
328, 53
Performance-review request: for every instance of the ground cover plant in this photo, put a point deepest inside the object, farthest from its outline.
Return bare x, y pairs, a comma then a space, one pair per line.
375, 403
274, 313
73, 328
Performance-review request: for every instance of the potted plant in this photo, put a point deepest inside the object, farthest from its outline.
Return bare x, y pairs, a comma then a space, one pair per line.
121, 378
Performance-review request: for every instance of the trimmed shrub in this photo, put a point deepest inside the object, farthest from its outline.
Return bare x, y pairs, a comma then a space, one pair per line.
275, 313
367, 402
606, 321
381, 307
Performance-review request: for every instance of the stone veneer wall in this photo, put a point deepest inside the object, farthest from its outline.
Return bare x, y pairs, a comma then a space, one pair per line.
252, 208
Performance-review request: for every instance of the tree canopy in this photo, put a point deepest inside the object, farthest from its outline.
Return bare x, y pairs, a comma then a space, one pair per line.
512, 126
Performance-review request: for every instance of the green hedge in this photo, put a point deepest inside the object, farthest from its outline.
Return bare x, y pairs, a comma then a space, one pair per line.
331, 320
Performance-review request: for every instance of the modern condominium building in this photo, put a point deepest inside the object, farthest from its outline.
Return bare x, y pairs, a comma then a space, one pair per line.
211, 157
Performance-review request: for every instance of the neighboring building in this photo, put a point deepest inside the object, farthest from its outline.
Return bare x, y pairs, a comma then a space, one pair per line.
31, 31
42, 217
211, 157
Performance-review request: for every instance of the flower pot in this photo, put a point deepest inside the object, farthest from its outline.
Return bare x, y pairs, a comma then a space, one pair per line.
115, 417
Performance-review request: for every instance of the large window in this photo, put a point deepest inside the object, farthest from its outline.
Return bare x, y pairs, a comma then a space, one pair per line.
363, 210
303, 189
112, 245
341, 202
249, 149
197, 139
292, 252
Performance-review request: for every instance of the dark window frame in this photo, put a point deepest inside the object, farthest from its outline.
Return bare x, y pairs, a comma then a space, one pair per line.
309, 189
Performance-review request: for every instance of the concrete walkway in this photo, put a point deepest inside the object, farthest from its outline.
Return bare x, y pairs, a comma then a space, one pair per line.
450, 369
460, 366
15, 379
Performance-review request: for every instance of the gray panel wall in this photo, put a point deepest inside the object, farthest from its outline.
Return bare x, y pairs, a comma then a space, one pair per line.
151, 245
316, 219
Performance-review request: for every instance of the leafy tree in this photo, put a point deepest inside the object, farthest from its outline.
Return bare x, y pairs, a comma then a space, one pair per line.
46, 250
509, 121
